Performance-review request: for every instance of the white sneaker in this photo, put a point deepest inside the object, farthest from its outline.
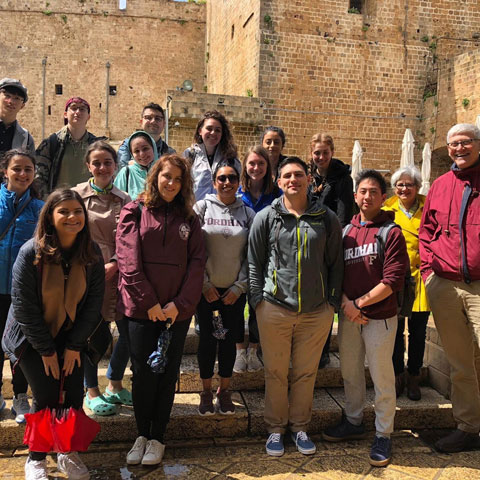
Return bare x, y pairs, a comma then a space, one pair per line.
240, 365
254, 363
71, 465
135, 455
36, 469
20, 407
153, 453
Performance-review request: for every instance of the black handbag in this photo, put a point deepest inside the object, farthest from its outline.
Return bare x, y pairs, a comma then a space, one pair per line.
99, 341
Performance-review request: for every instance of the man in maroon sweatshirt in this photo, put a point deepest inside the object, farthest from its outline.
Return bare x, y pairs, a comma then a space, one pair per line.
368, 319
450, 267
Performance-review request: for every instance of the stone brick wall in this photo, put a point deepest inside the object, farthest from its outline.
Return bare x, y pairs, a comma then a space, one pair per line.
152, 46
355, 76
243, 113
233, 47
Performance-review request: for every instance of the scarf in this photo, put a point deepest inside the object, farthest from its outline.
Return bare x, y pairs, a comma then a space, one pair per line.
61, 294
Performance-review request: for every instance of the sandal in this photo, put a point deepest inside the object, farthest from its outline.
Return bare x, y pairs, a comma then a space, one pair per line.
99, 406
123, 397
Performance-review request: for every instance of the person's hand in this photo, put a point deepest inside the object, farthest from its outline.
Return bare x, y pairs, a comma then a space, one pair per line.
229, 297
211, 295
111, 268
352, 312
171, 312
51, 366
70, 358
156, 313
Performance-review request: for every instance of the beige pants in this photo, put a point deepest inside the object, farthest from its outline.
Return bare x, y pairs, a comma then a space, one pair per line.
456, 310
286, 335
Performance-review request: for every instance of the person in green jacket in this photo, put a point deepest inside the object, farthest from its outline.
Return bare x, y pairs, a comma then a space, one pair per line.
131, 178
295, 260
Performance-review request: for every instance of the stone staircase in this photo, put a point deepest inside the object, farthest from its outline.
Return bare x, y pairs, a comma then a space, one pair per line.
433, 411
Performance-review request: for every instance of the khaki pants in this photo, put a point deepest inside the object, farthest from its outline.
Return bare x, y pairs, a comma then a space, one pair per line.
456, 311
286, 335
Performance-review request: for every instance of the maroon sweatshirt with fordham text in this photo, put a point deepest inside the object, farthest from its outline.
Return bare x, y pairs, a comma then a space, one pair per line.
363, 268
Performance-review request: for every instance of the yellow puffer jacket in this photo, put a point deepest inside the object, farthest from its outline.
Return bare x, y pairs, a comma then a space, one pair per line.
410, 228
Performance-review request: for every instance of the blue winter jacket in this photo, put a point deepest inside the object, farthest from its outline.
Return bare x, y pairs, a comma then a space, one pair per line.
21, 231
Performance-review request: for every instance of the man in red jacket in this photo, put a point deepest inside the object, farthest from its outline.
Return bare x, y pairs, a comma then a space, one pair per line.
450, 267
368, 319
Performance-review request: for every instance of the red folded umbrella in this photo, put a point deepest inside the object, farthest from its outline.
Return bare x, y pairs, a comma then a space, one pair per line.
60, 429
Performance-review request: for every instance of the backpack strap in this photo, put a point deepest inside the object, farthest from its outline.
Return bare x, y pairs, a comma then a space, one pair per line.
12, 221
346, 229
382, 236
127, 176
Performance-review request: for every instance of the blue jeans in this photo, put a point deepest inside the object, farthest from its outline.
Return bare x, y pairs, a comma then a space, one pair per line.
118, 361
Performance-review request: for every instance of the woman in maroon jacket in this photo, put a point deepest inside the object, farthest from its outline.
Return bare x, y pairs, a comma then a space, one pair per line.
161, 260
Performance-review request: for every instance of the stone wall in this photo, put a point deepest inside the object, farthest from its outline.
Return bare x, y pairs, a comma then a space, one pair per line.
152, 46
356, 76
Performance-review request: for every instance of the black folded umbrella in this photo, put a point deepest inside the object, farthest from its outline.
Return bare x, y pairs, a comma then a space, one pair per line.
158, 358
219, 331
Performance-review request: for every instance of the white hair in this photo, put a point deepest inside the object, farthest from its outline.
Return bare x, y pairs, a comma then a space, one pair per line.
467, 128
408, 171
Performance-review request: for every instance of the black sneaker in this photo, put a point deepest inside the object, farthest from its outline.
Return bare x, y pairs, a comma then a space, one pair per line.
457, 441
381, 452
344, 431
206, 403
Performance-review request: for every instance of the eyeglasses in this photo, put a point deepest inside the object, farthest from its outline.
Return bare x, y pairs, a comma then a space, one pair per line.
156, 118
404, 185
231, 178
463, 143
78, 109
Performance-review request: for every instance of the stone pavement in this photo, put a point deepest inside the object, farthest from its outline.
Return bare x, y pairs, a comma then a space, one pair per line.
245, 459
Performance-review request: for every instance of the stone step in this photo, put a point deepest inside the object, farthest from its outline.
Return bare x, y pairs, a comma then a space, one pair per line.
433, 411
190, 381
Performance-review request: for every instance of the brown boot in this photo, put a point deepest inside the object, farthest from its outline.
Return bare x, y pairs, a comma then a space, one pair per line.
399, 384
458, 441
413, 387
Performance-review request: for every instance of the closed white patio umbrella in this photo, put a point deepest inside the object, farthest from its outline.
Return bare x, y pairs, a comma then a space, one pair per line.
426, 169
357, 154
408, 146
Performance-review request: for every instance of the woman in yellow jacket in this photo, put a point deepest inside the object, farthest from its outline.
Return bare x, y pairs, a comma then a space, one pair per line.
407, 204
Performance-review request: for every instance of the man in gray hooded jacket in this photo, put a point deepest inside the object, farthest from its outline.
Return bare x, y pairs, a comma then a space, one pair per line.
295, 259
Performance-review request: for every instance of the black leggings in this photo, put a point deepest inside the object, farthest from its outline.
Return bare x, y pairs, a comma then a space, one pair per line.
153, 393
417, 328
19, 381
45, 388
232, 318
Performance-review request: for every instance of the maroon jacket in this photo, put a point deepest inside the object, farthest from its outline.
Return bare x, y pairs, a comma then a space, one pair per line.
161, 258
363, 268
440, 235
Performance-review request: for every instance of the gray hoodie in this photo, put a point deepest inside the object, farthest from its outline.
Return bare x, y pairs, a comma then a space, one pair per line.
296, 262
225, 230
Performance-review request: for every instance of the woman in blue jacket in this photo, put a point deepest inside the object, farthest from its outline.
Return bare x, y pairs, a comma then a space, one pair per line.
19, 208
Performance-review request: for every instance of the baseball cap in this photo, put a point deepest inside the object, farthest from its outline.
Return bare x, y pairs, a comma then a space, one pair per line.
14, 83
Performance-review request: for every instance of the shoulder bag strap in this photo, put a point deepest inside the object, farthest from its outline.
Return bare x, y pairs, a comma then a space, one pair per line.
12, 221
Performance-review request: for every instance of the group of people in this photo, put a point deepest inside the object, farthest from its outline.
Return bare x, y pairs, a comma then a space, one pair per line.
148, 238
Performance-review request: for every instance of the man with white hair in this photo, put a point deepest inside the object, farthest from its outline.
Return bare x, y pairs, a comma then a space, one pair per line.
450, 266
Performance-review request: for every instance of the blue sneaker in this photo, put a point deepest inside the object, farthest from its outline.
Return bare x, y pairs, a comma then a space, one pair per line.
274, 445
303, 443
381, 452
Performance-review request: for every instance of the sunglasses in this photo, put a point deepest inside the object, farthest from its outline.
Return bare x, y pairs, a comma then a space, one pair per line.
232, 178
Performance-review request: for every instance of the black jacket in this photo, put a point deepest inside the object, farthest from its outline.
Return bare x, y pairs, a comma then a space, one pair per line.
335, 190
25, 323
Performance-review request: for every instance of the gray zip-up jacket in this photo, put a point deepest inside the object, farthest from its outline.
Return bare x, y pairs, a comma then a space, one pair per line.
225, 230
23, 139
296, 262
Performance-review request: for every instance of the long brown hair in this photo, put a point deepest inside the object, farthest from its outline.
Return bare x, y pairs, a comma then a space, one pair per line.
184, 200
46, 238
226, 145
268, 185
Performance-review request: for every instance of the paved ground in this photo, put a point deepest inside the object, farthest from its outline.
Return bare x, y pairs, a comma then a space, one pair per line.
244, 459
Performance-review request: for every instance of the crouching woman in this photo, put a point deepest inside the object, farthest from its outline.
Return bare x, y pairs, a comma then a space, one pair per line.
57, 293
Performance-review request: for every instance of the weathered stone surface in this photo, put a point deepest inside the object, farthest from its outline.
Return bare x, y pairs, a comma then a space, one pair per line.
324, 411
